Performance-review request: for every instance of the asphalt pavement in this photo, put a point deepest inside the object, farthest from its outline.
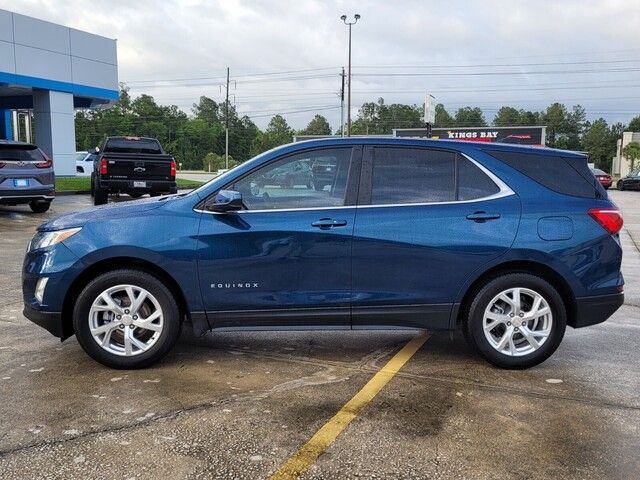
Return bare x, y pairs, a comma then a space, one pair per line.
239, 405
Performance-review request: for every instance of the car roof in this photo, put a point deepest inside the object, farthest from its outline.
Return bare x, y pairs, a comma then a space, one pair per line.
437, 143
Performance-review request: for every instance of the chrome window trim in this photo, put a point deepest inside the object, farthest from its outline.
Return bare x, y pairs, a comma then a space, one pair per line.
505, 191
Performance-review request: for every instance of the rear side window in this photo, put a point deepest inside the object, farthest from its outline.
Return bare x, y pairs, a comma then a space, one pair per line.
566, 175
410, 175
133, 145
415, 175
20, 153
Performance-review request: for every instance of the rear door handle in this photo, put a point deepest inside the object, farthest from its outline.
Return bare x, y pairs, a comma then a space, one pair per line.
481, 217
328, 223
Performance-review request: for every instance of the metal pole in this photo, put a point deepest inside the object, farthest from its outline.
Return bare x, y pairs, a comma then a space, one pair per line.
342, 105
226, 128
349, 89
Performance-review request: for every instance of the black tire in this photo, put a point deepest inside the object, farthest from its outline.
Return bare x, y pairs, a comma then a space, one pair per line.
39, 206
168, 335
135, 195
100, 196
473, 322
318, 186
92, 188
620, 185
155, 194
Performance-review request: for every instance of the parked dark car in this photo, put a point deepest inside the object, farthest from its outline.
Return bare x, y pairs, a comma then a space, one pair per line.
603, 177
631, 181
132, 165
508, 243
26, 176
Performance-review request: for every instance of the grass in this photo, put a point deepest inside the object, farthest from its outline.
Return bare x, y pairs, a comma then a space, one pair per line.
75, 184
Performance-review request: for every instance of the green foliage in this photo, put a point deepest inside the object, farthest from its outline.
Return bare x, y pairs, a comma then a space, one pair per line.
318, 125
634, 124
212, 162
596, 141
443, 119
375, 118
632, 153
469, 117
83, 184
278, 132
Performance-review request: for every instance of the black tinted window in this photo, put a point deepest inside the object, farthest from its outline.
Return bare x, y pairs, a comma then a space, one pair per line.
411, 175
313, 179
566, 175
472, 182
132, 145
20, 153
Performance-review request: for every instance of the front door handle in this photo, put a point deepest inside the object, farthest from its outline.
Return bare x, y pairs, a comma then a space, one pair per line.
328, 223
481, 217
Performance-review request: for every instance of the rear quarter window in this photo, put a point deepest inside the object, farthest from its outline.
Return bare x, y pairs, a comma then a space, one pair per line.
565, 175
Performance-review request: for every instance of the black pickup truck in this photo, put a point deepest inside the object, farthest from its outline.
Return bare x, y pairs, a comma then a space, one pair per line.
132, 165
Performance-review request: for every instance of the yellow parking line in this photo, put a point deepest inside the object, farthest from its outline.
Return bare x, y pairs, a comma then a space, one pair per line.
306, 456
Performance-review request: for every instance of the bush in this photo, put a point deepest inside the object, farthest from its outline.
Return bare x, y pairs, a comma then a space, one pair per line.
213, 162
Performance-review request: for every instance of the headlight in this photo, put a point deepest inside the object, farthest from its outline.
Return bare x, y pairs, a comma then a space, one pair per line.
46, 239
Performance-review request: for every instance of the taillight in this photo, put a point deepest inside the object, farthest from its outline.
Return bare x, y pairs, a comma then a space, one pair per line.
47, 161
103, 166
609, 218
173, 169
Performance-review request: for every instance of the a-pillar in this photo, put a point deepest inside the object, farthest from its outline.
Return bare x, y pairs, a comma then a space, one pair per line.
55, 128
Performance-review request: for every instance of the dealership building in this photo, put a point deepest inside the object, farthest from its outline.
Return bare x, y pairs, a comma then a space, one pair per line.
46, 72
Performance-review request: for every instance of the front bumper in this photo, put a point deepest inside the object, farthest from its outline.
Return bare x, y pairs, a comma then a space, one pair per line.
593, 310
50, 321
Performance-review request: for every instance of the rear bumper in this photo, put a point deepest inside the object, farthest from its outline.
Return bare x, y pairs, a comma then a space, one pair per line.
50, 321
127, 186
593, 310
13, 197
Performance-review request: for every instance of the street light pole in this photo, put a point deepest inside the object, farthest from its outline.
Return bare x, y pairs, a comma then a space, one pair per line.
356, 17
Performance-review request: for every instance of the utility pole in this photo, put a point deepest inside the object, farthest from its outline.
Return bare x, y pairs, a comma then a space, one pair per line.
226, 127
342, 105
344, 19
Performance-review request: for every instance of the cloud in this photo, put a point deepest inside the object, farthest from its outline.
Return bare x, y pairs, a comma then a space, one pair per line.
199, 39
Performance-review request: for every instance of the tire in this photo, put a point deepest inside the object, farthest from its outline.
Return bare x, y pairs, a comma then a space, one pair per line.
100, 196
318, 186
39, 206
620, 185
158, 340
525, 354
135, 195
92, 188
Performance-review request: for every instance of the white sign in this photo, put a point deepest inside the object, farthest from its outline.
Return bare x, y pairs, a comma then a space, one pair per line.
430, 109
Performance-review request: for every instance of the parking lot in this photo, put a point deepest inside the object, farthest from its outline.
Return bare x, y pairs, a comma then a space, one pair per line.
238, 405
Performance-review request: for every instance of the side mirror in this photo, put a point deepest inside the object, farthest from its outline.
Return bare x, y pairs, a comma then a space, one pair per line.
225, 201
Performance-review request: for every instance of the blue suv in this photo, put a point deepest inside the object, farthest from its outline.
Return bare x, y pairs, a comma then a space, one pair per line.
509, 243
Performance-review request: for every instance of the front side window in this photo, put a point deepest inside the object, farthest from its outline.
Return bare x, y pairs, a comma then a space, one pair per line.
412, 175
313, 179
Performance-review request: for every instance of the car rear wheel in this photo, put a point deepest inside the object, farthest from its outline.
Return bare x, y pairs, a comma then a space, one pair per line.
39, 206
620, 185
126, 319
135, 195
100, 196
516, 321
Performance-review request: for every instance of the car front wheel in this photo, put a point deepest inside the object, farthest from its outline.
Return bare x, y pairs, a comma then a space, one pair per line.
516, 321
39, 206
126, 319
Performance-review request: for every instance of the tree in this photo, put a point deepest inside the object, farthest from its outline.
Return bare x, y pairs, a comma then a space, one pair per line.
318, 125
634, 124
379, 118
507, 116
278, 132
632, 153
470, 117
443, 119
596, 142
213, 162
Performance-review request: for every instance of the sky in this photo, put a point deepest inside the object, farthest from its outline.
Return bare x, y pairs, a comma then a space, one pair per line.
285, 56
